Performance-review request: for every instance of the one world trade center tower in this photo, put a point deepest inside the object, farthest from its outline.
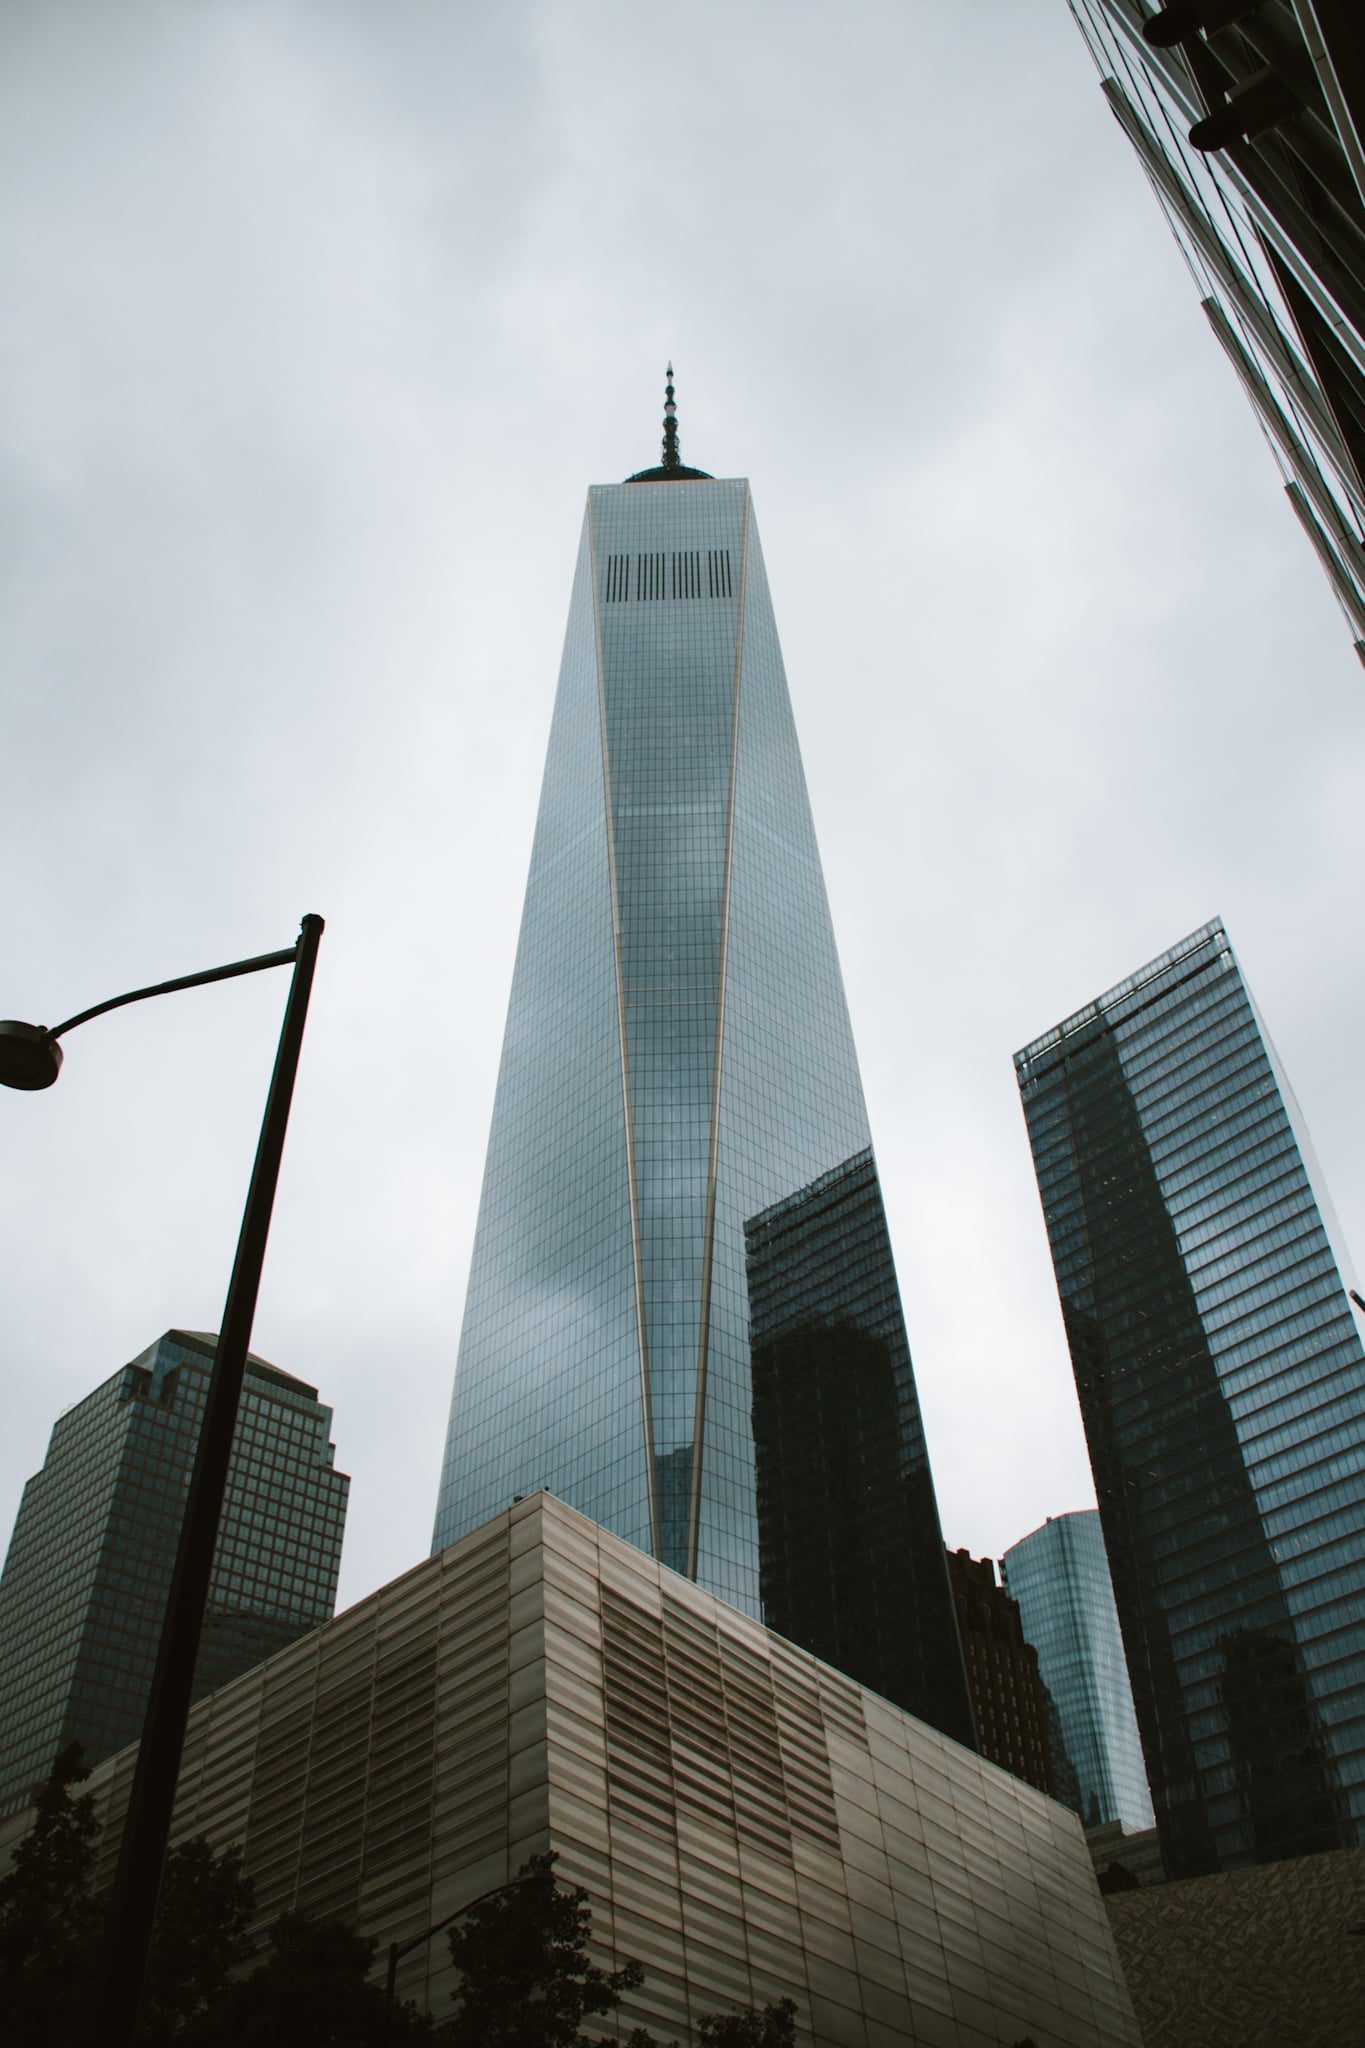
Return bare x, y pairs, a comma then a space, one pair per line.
683, 1316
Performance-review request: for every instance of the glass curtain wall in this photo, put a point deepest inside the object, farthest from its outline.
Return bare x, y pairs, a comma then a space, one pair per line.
1222, 1382
678, 1055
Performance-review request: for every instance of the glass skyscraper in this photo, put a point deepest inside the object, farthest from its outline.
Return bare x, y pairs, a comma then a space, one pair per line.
678, 1060
1222, 1383
89, 1566
1059, 1578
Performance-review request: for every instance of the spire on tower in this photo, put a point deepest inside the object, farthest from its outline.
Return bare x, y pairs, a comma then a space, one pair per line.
671, 458
672, 470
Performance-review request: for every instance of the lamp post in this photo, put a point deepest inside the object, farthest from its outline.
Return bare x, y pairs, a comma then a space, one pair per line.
398, 1949
31, 1058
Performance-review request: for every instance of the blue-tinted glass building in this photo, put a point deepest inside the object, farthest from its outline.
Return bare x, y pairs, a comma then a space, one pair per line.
1222, 1383
89, 1566
1059, 1578
677, 1060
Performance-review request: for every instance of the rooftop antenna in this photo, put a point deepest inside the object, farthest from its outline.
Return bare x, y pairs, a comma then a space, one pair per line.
672, 470
671, 458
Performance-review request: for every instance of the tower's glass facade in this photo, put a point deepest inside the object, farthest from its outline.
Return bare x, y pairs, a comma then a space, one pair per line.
1222, 1382
678, 1055
1059, 1577
89, 1566
847, 1521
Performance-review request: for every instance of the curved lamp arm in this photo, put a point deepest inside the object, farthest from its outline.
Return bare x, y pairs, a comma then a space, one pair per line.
168, 988
30, 1057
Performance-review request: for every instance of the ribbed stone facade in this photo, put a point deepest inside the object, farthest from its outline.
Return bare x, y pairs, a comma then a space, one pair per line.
748, 1822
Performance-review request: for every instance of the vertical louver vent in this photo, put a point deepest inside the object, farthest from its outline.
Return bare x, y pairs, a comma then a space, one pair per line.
667, 575
649, 576
699, 1726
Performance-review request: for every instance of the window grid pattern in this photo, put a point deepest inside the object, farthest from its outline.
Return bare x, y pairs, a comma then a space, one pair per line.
678, 1055
851, 1559
1222, 1382
89, 1566
1059, 1577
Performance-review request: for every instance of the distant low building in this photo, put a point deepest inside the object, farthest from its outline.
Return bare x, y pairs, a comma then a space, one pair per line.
89, 1567
1125, 1857
1007, 1693
1264, 1958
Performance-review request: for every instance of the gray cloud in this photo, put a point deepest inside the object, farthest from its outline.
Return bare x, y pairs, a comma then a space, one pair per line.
319, 321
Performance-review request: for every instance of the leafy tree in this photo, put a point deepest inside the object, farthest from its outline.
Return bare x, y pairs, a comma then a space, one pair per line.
48, 1923
312, 1991
772, 2026
199, 1938
526, 1978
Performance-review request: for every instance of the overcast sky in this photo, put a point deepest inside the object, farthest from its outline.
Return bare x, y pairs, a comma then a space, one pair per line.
318, 321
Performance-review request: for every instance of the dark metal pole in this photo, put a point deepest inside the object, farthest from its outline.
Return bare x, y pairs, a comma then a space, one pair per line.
147, 1826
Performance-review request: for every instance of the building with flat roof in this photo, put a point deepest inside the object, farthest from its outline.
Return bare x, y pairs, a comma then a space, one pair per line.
1009, 1701
89, 1566
1221, 1379
1060, 1577
748, 1822
850, 1561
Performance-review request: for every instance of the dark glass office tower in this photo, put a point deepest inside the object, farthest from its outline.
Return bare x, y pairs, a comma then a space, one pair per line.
1059, 1576
89, 1565
1222, 1383
1249, 122
847, 1522
677, 1060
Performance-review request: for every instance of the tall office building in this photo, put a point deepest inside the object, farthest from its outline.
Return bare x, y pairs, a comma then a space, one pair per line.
1059, 1577
1008, 1697
1249, 120
677, 1063
89, 1565
1222, 1385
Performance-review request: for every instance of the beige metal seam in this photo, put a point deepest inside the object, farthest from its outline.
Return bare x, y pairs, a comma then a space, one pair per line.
709, 1236
637, 1251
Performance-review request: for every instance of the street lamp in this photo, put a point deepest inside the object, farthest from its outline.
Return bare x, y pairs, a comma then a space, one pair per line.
398, 1949
31, 1058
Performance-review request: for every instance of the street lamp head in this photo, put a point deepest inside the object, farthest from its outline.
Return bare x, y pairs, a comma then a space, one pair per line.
29, 1056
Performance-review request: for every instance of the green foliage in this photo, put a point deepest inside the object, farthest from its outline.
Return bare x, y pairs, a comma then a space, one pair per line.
48, 1924
526, 1978
312, 1991
200, 1937
772, 2026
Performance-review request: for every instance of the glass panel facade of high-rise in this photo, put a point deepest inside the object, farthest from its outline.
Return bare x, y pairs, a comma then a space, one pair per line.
836, 1421
677, 1058
1222, 1382
88, 1572
1059, 1576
